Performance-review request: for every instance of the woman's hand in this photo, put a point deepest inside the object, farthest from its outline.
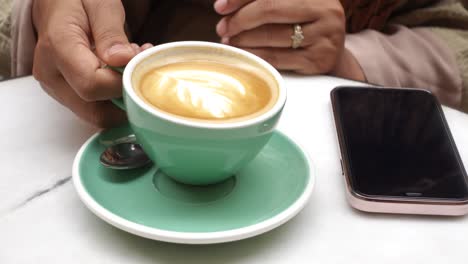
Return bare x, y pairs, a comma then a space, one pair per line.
265, 27
75, 37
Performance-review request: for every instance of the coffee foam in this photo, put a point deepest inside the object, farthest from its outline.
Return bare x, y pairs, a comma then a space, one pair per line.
194, 84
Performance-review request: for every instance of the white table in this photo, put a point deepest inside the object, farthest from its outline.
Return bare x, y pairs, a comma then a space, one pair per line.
43, 221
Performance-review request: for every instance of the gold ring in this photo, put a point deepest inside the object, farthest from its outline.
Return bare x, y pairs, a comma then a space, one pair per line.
297, 37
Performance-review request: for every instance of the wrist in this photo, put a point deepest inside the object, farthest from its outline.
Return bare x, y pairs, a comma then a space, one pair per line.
348, 67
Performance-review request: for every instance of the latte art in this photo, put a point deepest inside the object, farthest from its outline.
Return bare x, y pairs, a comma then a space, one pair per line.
205, 90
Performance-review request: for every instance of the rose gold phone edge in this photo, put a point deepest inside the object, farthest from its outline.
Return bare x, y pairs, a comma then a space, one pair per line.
388, 205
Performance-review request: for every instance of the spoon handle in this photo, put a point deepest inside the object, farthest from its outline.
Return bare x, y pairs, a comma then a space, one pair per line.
127, 139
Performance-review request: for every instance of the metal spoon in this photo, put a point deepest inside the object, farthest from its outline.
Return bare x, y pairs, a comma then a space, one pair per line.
124, 156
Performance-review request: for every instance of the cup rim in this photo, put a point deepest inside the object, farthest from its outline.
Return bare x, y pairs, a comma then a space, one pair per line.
128, 87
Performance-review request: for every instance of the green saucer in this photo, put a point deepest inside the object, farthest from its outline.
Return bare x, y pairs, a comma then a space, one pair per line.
273, 188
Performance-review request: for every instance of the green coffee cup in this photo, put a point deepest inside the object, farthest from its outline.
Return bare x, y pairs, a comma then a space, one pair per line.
194, 151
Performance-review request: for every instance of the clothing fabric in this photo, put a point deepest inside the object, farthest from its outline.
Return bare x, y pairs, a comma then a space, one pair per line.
423, 45
23, 38
368, 14
403, 43
5, 25
411, 57
168, 21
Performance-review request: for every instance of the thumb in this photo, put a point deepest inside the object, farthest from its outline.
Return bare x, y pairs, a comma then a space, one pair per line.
107, 19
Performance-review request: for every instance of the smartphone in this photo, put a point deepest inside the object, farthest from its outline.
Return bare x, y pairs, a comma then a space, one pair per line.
397, 152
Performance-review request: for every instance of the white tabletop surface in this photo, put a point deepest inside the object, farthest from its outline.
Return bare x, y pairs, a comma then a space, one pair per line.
42, 219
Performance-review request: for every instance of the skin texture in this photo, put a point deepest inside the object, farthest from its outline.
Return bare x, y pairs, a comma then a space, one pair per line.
264, 27
75, 38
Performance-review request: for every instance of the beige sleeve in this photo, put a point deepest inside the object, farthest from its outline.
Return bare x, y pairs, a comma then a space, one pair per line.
404, 57
23, 38
457, 41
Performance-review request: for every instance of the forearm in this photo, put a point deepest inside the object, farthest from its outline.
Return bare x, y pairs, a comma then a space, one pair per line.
409, 58
348, 67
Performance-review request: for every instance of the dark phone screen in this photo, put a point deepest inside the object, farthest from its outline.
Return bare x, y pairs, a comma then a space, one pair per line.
398, 144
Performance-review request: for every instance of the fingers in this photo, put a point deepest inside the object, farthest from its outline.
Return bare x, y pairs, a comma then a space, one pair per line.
315, 60
224, 7
275, 35
90, 81
141, 48
135, 48
262, 12
80, 67
65, 62
102, 114
82, 70
106, 19
281, 59
146, 46
64, 43
266, 28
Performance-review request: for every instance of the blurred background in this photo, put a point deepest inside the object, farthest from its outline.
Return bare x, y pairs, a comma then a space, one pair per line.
5, 26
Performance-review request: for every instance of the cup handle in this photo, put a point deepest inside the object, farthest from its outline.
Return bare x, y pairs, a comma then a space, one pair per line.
119, 102
116, 69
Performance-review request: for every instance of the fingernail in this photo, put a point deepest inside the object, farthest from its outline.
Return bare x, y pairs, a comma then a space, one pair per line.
135, 47
225, 40
146, 46
220, 5
119, 48
221, 28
